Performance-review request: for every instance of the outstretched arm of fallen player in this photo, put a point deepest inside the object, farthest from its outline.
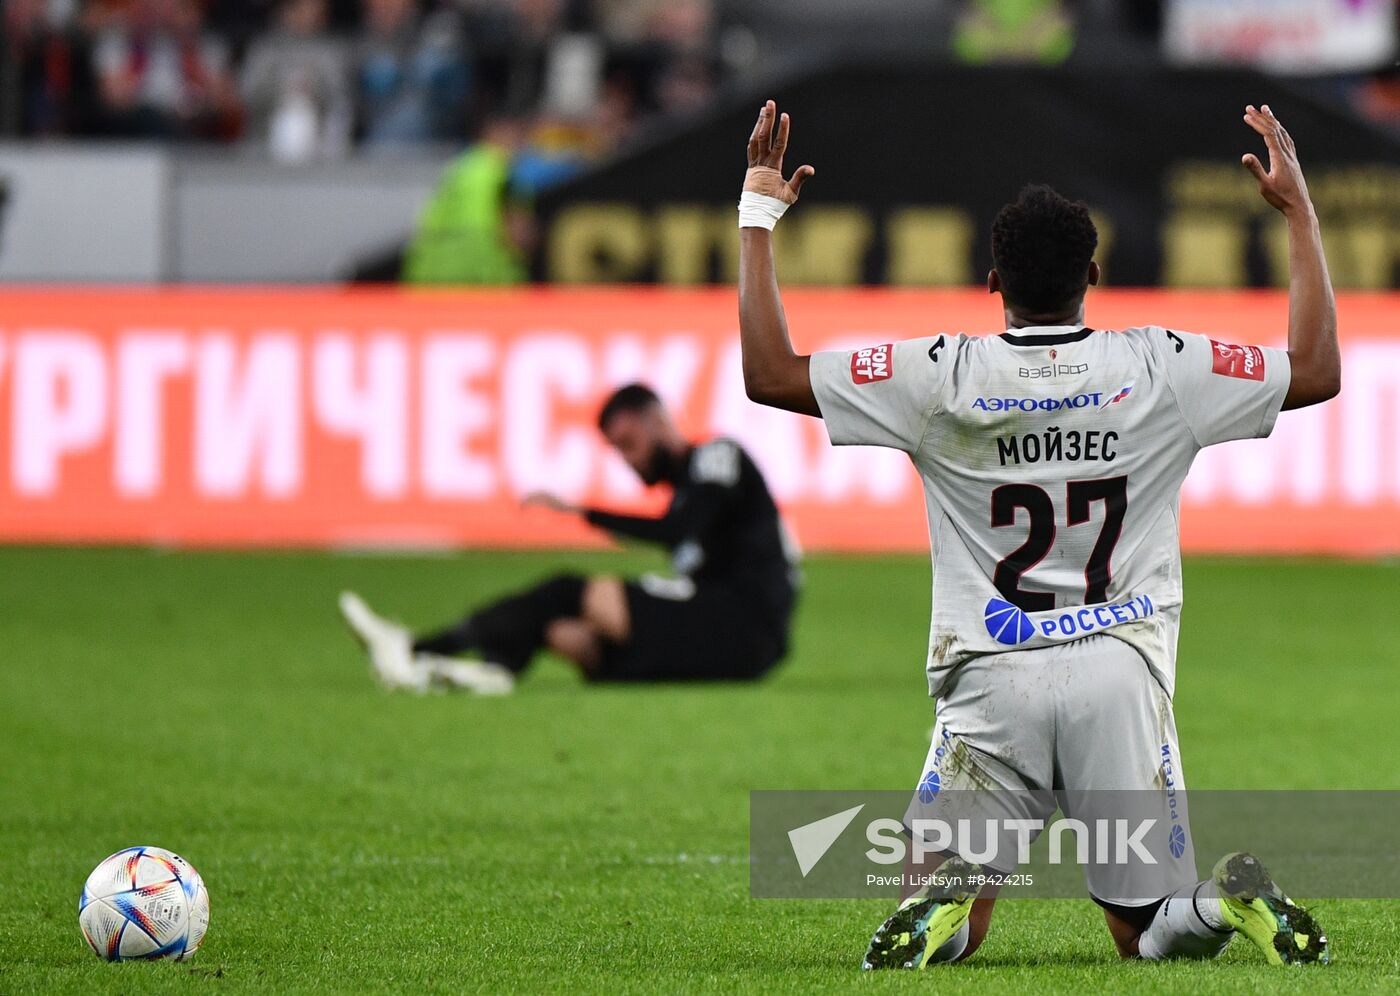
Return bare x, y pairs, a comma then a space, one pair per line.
683, 520
773, 374
1313, 352
654, 530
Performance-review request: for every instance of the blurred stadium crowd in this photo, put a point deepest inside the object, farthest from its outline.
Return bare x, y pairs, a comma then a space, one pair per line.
314, 79
307, 79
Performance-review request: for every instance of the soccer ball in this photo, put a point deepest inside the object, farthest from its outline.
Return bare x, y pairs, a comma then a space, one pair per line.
144, 902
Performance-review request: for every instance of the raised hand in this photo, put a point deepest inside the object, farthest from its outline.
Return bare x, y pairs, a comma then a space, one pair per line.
1314, 355
1282, 184
766, 147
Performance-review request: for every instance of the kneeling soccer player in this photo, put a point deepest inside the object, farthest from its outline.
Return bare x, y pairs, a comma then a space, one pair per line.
1052, 457
724, 615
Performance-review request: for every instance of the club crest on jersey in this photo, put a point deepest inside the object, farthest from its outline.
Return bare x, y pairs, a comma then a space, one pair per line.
872, 363
1121, 395
1243, 362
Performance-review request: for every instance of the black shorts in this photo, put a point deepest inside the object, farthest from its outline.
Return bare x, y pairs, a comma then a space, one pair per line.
695, 633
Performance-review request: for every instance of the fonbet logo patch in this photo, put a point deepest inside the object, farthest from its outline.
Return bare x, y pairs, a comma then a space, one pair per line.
811, 841
1243, 362
1010, 626
872, 363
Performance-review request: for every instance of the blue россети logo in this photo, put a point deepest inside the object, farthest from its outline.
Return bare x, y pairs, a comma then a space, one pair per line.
1006, 623
928, 788
1177, 840
1010, 626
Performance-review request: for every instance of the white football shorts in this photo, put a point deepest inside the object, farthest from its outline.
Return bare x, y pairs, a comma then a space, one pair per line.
1082, 727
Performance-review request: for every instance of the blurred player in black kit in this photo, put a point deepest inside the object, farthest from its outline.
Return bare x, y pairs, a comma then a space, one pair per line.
723, 615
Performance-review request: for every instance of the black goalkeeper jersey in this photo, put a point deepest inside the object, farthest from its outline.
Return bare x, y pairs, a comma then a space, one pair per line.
721, 527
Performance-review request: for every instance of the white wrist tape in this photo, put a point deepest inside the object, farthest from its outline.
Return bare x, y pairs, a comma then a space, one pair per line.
760, 210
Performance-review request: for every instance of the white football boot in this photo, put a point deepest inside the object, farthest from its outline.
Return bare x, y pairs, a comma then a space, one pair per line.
478, 677
390, 646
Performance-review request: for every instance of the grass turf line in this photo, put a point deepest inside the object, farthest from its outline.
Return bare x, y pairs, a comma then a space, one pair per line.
580, 839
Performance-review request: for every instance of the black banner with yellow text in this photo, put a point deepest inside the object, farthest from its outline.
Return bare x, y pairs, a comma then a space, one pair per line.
912, 165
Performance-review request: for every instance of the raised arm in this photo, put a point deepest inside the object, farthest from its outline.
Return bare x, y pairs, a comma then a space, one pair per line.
773, 374
1313, 353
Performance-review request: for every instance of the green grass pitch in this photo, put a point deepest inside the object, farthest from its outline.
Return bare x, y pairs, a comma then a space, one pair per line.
577, 839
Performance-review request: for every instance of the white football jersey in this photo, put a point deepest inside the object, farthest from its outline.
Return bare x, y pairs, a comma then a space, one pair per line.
1052, 461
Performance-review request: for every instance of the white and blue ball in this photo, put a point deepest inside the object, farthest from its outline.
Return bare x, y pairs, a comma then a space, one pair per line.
144, 902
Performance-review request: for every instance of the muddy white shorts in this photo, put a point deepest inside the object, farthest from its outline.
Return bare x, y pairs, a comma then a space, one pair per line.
1082, 727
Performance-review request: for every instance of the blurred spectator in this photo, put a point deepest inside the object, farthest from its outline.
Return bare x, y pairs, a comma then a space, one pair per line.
1013, 31
685, 85
412, 76
159, 74
556, 151
513, 41
625, 22
296, 86
47, 68
1378, 98
572, 76
685, 29
475, 229
683, 26
667, 48
239, 21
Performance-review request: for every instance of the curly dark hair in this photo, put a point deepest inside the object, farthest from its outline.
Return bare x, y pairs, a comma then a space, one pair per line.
1042, 246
